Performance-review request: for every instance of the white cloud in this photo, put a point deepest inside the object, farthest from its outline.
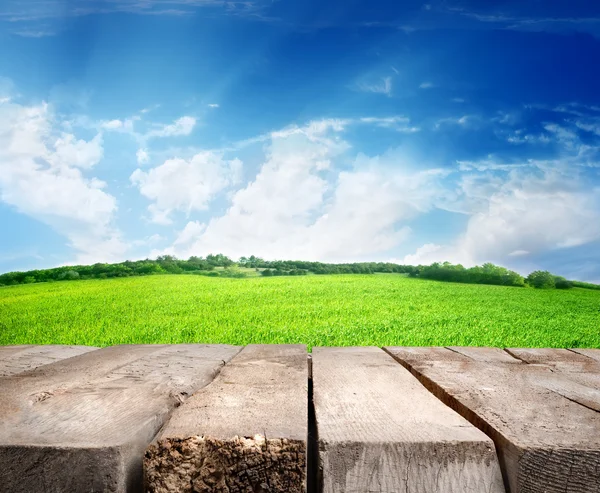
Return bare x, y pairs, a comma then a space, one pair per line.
463, 121
589, 126
186, 185
79, 153
426, 85
213, 105
291, 209
424, 255
382, 86
518, 253
41, 175
521, 137
181, 126
142, 156
567, 137
526, 211
112, 124
398, 123
192, 231
125, 126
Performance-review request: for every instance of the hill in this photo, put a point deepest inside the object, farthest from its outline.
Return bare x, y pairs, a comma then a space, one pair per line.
337, 310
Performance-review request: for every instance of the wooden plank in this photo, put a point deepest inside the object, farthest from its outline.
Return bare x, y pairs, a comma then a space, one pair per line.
17, 359
547, 441
485, 354
424, 353
380, 430
551, 356
590, 353
245, 432
83, 423
575, 367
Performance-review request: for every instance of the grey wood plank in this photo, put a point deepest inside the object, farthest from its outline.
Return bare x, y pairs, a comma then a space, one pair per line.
245, 432
548, 439
17, 359
82, 424
381, 431
579, 369
559, 358
590, 353
485, 354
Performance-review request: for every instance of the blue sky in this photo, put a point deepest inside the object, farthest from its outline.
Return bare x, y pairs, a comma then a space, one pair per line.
409, 131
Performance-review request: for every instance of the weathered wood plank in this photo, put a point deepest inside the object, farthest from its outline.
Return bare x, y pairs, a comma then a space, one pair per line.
381, 431
245, 432
82, 424
485, 354
547, 441
581, 382
17, 359
551, 356
590, 353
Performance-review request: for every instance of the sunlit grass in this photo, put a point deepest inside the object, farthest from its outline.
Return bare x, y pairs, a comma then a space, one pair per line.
314, 310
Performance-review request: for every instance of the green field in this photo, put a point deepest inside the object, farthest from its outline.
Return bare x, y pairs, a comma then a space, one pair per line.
314, 310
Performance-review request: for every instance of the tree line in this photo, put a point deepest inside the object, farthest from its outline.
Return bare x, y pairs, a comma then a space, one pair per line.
222, 266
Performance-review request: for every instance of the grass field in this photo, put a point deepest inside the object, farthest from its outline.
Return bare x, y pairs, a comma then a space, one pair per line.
315, 310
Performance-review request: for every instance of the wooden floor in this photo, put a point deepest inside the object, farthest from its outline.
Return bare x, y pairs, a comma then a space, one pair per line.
273, 418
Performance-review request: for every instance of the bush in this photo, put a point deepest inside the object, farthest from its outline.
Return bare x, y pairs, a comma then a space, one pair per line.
69, 275
232, 272
541, 279
562, 283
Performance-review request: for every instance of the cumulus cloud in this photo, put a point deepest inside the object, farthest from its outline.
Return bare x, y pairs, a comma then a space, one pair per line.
292, 210
525, 211
186, 185
192, 231
42, 175
80, 153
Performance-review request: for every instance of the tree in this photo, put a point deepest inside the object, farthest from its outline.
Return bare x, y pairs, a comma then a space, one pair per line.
541, 279
562, 283
69, 275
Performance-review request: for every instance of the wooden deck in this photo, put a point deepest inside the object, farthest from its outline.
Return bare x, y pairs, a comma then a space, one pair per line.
261, 418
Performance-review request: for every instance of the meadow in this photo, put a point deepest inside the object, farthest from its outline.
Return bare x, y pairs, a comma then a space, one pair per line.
380, 309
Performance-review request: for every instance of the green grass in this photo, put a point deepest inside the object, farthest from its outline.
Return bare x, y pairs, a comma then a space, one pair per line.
314, 310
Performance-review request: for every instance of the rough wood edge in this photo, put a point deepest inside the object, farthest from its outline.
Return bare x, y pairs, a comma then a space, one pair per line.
240, 464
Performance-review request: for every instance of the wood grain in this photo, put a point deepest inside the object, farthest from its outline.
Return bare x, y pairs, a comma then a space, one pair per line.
381, 431
17, 359
548, 440
485, 354
83, 423
590, 353
245, 432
